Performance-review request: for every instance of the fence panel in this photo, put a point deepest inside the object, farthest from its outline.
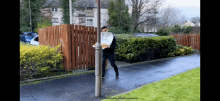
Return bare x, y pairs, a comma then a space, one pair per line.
83, 46
73, 52
77, 48
92, 43
87, 47
80, 46
76, 44
190, 40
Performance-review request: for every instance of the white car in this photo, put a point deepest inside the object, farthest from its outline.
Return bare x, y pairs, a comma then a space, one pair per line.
34, 41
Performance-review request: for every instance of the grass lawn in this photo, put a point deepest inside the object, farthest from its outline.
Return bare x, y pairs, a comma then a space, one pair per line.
181, 87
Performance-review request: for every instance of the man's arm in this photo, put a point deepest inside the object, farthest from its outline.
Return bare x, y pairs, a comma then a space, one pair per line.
113, 45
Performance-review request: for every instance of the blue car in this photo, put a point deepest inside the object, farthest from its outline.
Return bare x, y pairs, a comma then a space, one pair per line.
145, 35
27, 36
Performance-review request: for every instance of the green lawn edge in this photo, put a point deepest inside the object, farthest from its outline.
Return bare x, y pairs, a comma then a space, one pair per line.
182, 87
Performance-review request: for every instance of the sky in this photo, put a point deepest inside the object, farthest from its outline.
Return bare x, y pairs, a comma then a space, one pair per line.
190, 8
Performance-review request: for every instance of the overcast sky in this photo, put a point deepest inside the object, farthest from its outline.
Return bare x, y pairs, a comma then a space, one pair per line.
190, 8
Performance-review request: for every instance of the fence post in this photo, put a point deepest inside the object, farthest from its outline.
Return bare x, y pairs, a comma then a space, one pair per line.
87, 48
80, 46
73, 47
83, 45
77, 48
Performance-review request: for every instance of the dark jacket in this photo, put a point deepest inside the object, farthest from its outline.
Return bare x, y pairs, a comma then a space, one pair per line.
111, 50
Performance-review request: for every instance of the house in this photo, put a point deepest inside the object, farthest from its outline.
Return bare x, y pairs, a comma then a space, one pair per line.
52, 9
188, 23
85, 12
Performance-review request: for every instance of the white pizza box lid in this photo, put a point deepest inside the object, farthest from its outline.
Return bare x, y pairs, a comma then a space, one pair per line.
107, 38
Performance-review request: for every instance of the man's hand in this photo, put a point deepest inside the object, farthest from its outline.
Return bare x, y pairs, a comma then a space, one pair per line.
108, 47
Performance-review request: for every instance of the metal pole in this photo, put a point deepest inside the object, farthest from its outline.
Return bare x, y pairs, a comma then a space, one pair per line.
70, 10
30, 15
98, 54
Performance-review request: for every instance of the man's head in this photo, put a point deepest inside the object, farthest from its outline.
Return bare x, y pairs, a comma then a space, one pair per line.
104, 29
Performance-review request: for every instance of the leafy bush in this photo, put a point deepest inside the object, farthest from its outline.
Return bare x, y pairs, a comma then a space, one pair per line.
116, 30
43, 24
163, 32
181, 50
176, 29
34, 59
133, 48
187, 29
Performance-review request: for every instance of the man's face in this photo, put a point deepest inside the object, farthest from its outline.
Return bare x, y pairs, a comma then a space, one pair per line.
105, 30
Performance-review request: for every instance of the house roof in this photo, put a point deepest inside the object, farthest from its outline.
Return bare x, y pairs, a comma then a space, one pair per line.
52, 3
189, 23
86, 3
78, 3
91, 3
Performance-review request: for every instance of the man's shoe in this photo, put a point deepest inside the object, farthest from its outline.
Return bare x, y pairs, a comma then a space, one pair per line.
103, 76
117, 74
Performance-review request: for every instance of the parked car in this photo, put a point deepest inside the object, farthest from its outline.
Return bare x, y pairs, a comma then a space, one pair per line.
28, 36
22, 38
35, 41
145, 35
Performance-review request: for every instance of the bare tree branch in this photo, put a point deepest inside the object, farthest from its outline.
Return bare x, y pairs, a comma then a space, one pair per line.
170, 16
141, 9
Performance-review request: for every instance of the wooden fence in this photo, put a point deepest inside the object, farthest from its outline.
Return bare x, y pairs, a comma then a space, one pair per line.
76, 55
190, 40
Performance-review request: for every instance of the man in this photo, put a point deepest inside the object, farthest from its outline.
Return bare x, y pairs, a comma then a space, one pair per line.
109, 53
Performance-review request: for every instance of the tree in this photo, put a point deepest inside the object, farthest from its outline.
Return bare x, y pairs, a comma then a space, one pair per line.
112, 21
170, 16
119, 16
65, 11
195, 20
35, 7
126, 21
143, 11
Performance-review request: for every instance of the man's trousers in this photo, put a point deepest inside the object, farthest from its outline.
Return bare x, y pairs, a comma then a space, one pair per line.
111, 58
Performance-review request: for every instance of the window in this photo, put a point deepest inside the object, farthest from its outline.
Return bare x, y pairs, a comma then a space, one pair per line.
54, 9
36, 39
89, 22
89, 9
103, 20
81, 15
54, 20
80, 9
82, 20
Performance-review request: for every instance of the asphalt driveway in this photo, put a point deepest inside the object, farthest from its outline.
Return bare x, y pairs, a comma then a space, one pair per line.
82, 88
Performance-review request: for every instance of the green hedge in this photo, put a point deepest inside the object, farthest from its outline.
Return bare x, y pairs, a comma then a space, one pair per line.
131, 49
163, 32
181, 50
35, 59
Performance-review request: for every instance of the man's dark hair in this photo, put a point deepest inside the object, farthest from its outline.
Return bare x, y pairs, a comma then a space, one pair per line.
104, 27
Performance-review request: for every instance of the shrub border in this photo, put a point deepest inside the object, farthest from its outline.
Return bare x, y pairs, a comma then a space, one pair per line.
79, 72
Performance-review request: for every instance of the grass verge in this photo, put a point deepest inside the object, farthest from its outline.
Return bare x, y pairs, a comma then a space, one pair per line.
181, 87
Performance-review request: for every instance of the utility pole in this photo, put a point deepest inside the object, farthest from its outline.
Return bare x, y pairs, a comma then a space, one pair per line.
70, 10
98, 56
30, 15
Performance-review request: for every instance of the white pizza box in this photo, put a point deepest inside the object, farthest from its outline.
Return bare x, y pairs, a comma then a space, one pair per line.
106, 38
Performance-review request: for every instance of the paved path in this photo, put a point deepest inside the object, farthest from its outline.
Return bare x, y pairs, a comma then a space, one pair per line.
75, 88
